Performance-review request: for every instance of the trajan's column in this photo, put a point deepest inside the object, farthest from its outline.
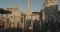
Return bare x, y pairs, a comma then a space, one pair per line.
28, 12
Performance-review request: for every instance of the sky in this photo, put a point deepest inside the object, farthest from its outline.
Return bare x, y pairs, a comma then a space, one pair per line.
35, 5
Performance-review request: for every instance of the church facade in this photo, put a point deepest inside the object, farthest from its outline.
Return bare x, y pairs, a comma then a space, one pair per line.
50, 17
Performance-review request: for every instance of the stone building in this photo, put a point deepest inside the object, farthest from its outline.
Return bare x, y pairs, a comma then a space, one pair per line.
36, 21
20, 19
15, 17
50, 10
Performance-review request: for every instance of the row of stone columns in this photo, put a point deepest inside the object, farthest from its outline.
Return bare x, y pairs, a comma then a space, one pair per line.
10, 25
